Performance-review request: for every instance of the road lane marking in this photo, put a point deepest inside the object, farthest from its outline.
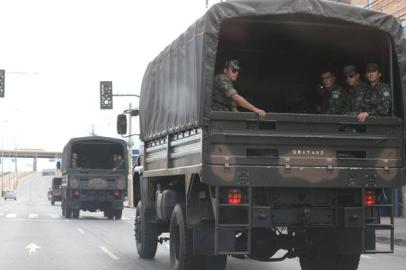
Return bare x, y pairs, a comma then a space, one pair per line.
32, 248
108, 252
11, 215
53, 215
125, 218
366, 257
80, 230
33, 216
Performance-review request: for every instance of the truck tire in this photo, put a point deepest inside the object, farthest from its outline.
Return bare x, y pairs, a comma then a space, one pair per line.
146, 234
52, 201
181, 242
76, 213
118, 214
63, 207
330, 262
110, 214
68, 212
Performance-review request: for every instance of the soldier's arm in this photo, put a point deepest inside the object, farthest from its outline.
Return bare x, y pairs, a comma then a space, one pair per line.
242, 102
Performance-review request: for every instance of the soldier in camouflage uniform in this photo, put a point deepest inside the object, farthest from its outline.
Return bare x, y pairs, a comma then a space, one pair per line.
377, 100
225, 97
355, 92
331, 95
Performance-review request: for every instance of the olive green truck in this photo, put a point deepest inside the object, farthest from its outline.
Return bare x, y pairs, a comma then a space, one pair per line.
230, 184
93, 179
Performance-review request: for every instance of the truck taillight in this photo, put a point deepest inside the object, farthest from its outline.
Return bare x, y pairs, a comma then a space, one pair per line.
234, 196
117, 194
76, 193
369, 198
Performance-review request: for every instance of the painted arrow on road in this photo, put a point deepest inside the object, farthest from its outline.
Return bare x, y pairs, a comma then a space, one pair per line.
32, 248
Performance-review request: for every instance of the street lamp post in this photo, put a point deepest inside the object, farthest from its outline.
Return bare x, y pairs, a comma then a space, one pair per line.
2, 156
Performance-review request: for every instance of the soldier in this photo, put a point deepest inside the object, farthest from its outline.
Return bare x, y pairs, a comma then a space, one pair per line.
225, 97
332, 97
377, 100
355, 92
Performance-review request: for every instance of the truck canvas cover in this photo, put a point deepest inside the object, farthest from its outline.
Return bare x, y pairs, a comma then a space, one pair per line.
177, 85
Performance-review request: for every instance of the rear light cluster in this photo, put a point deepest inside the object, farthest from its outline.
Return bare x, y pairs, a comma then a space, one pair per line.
76, 193
234, 196
117, 194
369, 198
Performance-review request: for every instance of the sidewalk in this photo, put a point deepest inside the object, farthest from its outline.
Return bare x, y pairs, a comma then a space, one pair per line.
400, 232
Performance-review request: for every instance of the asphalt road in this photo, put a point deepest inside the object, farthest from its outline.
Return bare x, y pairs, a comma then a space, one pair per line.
34, 235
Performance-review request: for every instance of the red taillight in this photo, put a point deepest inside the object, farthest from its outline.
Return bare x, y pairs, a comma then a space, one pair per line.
234, 196
369, 198
117, 194
76, 193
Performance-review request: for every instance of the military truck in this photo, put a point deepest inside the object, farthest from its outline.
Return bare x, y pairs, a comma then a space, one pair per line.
56, 190
94, 179
230, 184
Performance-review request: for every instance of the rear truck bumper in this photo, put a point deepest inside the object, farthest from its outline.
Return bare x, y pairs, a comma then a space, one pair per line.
292, 219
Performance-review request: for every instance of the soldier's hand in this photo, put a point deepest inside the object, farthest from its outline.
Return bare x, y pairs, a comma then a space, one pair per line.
362, 117
261, 113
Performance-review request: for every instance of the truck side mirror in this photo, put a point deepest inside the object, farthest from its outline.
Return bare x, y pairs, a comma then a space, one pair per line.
135, 112
122, 124
58, 165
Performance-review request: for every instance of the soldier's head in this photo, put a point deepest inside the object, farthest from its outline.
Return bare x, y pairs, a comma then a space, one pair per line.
231, 69
327, 78
351, 75
373, 73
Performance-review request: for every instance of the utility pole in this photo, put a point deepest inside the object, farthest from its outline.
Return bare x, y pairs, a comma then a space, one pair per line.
130, 162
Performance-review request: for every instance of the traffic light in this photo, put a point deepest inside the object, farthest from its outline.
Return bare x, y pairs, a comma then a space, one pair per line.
2, 82
106, 95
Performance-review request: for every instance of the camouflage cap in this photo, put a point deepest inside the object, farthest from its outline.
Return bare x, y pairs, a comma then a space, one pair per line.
372, 67
350, 69
232, 63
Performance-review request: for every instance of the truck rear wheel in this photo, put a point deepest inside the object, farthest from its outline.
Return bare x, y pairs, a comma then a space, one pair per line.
118, 214
146, 234
76, 213
52, 201
68, 212
330, 262
181, 242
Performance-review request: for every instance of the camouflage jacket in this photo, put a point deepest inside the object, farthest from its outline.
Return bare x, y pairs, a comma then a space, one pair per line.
378, 101
332, 101
222, 91
355, 98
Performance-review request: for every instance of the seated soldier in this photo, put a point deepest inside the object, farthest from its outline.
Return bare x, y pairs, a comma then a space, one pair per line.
331, 95
377, 99
225, 97
356, 90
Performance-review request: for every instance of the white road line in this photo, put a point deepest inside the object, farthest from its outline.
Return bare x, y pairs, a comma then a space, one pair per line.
108, 252
366, 257
53, 215
11, 215
33, 216
125, 218
80, 230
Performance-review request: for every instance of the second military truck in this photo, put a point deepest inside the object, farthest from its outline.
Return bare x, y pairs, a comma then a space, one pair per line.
94, 171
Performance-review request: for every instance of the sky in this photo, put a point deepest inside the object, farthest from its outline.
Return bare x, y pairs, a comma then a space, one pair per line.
56, 52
